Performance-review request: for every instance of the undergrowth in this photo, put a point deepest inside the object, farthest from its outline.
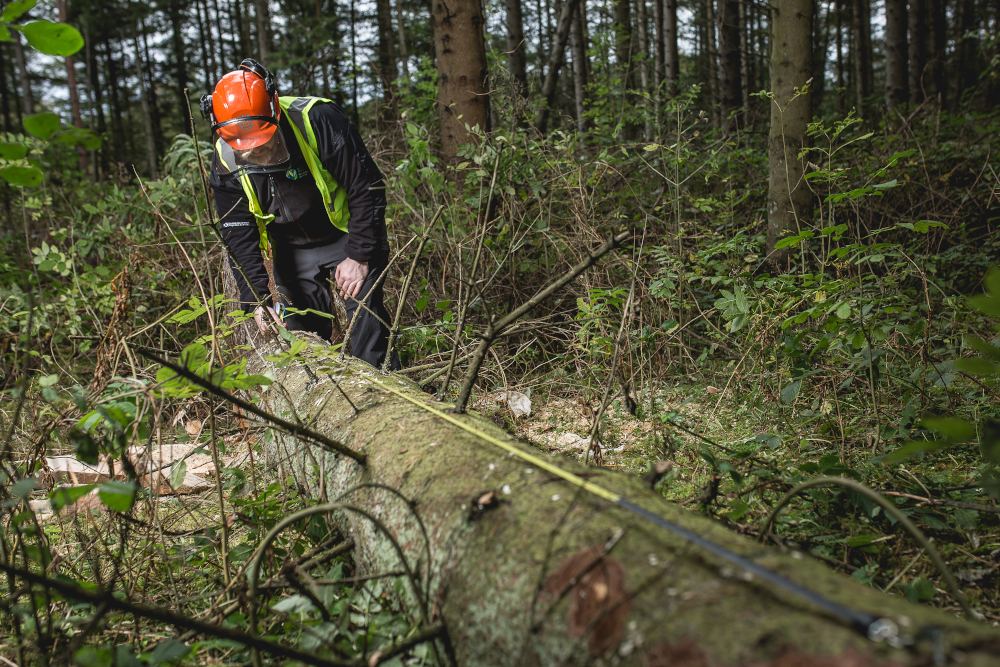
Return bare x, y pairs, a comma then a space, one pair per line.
859, 354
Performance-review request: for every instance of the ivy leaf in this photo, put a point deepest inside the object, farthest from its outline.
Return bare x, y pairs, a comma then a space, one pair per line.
67, 495
28, 177
790, 392
23, 487
119, 496
920, 589
10, 150
53, 39
177, 473
169, 650
80, 136
193, 356
42, 125
14, 10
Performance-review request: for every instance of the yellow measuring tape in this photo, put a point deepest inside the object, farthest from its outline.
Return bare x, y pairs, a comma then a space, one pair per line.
535, 460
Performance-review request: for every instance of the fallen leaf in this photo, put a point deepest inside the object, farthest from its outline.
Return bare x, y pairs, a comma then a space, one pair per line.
712, 390
486, 499
193, 427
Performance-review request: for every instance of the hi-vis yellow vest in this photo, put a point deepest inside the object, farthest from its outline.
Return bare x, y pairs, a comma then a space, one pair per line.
334, 196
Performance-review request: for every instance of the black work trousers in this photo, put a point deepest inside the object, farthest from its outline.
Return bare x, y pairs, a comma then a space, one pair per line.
303, 277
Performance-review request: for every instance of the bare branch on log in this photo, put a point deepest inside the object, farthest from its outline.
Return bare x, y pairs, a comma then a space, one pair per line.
289, 427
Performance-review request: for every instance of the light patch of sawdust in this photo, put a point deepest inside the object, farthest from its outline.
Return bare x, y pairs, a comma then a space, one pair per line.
563, 426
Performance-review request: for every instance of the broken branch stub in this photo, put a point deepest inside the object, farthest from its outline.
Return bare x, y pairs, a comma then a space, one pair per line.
544, 573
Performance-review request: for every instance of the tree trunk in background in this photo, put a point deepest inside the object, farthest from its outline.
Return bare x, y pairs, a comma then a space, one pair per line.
354, 65
744, 28
27, 99
8, 126
938, 48
96, 99
516, 50
154, 103
116, 107
624, 53
622, 22
711, 56
263, 27
206, 51
788, 197
862, 49
243, 30
461, 67
917, 14
224, 64
74, 95
657, 47
642, 23
966, 48
386, 57
404, 53
147, 116
581, 66
556, 59
549, 575
731, 88
671, 57
175, 12
841, 84
896, 54
821, 44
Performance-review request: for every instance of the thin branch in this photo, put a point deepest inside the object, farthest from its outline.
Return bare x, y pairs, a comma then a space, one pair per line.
289, 427
394, 331
496, 328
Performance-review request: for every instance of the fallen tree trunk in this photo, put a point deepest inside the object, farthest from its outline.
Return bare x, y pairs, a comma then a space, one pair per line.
527, 569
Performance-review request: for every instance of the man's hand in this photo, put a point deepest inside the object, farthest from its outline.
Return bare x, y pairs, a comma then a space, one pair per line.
265, 322
350, 277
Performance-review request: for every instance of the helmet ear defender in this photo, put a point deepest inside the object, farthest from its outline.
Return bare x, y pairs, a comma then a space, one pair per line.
251, 65
254, 67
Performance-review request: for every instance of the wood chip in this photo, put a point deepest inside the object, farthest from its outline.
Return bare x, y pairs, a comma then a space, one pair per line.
69, 468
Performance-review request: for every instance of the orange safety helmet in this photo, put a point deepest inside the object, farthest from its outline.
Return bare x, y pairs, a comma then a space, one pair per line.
244, 111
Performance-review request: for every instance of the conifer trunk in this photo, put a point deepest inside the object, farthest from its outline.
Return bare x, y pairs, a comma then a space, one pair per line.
461, 66
917, 14
386, 55
788, 196
671, 56
730, 88
581, 67
516, 48
896, 54
525, 569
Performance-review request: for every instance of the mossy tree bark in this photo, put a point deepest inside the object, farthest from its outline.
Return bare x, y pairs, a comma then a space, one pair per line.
546, 574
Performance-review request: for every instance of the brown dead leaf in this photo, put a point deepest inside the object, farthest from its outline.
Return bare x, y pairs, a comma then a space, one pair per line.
193, 427
712, 390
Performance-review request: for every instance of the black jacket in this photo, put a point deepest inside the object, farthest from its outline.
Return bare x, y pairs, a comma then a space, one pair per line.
300, 218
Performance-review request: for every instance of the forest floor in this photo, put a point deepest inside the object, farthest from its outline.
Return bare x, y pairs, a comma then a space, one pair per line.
767, 456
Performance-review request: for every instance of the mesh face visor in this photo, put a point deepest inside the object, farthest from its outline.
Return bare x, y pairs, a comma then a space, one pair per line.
250, 144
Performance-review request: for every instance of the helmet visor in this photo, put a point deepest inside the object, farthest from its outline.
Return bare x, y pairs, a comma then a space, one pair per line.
253, 144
